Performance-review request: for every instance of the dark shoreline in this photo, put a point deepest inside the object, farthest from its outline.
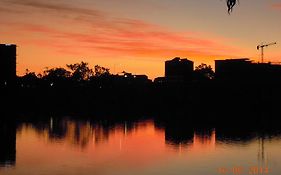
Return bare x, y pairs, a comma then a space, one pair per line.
208, 101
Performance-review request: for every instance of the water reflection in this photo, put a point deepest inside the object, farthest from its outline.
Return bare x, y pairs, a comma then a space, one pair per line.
82, 133
7, 144
129, 146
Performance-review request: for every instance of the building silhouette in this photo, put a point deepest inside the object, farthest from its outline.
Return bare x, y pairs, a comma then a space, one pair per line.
180, 69
232, 68
245, 70
8, 54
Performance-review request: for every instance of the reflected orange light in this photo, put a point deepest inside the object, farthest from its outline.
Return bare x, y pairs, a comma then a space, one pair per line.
204, 142
139, 146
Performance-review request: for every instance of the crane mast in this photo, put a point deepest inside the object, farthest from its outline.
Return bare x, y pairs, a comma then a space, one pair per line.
261, 47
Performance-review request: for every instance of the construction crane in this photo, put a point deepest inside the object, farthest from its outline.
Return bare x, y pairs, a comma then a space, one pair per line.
260, 47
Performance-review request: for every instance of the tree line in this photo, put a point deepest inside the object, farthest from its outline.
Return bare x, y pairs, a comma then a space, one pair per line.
80, 74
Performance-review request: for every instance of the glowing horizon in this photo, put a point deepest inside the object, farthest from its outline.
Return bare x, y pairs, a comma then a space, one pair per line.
138, 36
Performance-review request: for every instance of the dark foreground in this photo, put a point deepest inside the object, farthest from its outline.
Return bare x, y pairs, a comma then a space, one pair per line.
209, 102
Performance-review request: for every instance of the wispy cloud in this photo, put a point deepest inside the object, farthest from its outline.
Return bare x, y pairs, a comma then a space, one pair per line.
131, 38
10, 10
56, 6
73, 31
276, 6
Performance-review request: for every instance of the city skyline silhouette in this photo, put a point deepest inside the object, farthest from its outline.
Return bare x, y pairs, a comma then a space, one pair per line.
140, 87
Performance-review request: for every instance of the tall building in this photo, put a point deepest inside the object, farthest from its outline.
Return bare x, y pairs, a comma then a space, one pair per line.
245, 70
232, 68
8, 54
178, 68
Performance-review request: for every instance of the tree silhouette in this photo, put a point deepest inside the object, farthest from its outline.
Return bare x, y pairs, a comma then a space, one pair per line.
204, 72
101, 71
30, 79
57, 73
80, 71
56, 76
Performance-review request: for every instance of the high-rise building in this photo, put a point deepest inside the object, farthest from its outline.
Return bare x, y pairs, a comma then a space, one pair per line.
245, 70
8, 54
179, 68
233, 68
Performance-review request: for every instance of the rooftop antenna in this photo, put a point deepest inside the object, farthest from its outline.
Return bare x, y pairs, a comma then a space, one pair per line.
260, 47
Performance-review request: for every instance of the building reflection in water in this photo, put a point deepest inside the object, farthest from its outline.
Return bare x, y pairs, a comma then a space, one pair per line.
204, 139
82, 133
188, 139
85, 133
7, 144
74, 132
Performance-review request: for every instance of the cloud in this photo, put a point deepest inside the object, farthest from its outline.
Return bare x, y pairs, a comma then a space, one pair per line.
105, 35
276, 6
55, 6
10, 10
120, 39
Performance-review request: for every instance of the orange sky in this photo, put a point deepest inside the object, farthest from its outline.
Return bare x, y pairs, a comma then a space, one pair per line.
136, 37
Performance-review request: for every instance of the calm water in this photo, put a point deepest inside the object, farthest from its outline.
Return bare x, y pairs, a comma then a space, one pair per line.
68, 146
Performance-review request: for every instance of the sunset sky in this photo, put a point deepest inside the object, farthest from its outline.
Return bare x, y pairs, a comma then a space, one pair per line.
137, 35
